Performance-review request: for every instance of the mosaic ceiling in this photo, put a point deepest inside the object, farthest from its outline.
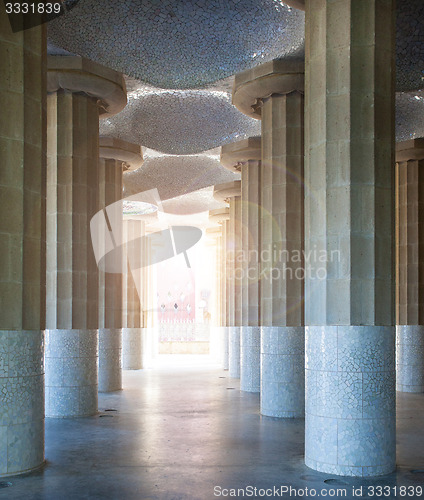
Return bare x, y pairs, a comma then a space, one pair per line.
410, 45
409, 115
176, 175
170, 45
180, 44
179, 122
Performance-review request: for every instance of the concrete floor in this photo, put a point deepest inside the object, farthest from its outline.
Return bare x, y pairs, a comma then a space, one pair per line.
179, 431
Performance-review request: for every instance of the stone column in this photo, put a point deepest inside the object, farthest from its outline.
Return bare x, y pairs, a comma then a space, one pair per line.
79, 90
409, 266
349, 237
221, 216
274, 93
22, 246
116, 156
213, 235
231, 193
245, 156
134, 329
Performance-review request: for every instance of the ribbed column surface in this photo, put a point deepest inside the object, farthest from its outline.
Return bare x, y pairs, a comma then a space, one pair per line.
22, 245
410, 267
71, 372
110, 288
282, 241
283, 371
72, 273
349, 237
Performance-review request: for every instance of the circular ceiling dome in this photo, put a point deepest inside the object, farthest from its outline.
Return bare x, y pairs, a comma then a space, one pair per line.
409, 45
176, 175
180, 122
409, 115
180, 44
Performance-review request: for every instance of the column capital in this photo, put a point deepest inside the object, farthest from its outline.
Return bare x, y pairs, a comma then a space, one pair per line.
128, 153
224, 192
234, 155
76, 74
219, 215
274, 77
410, 150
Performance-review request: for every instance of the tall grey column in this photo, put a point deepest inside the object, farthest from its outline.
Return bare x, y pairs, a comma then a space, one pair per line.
230, 192
111, 166
245, 156
349, 313
78, 91
116, 157
134, 330
409, 266
221, 217
274, 93
22, 246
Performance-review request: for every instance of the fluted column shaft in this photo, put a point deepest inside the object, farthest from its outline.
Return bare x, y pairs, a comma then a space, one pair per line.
72, 201
72, 273
349, 289
274, 91
409, 266
225, 274
223, 296
110, 289
134, 331
251, 194
250, 333
282, 241
244, 156
282, 236
235, 292
22, 246
218, 284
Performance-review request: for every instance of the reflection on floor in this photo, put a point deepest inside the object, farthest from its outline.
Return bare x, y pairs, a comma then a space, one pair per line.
183, 428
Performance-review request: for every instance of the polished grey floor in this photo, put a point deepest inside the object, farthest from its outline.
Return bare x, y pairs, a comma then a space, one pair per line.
177, 432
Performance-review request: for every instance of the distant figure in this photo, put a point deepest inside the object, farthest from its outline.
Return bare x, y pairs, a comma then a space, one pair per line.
188, 309
175, 308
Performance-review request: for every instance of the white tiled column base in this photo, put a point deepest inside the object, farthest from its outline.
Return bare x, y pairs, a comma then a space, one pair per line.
132, 350
234, 351
219, 345
350, 400
410, 358
250, 359
110, 359
150, 346
283, 371
21, 401
225, 347
71, 372
215, 343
